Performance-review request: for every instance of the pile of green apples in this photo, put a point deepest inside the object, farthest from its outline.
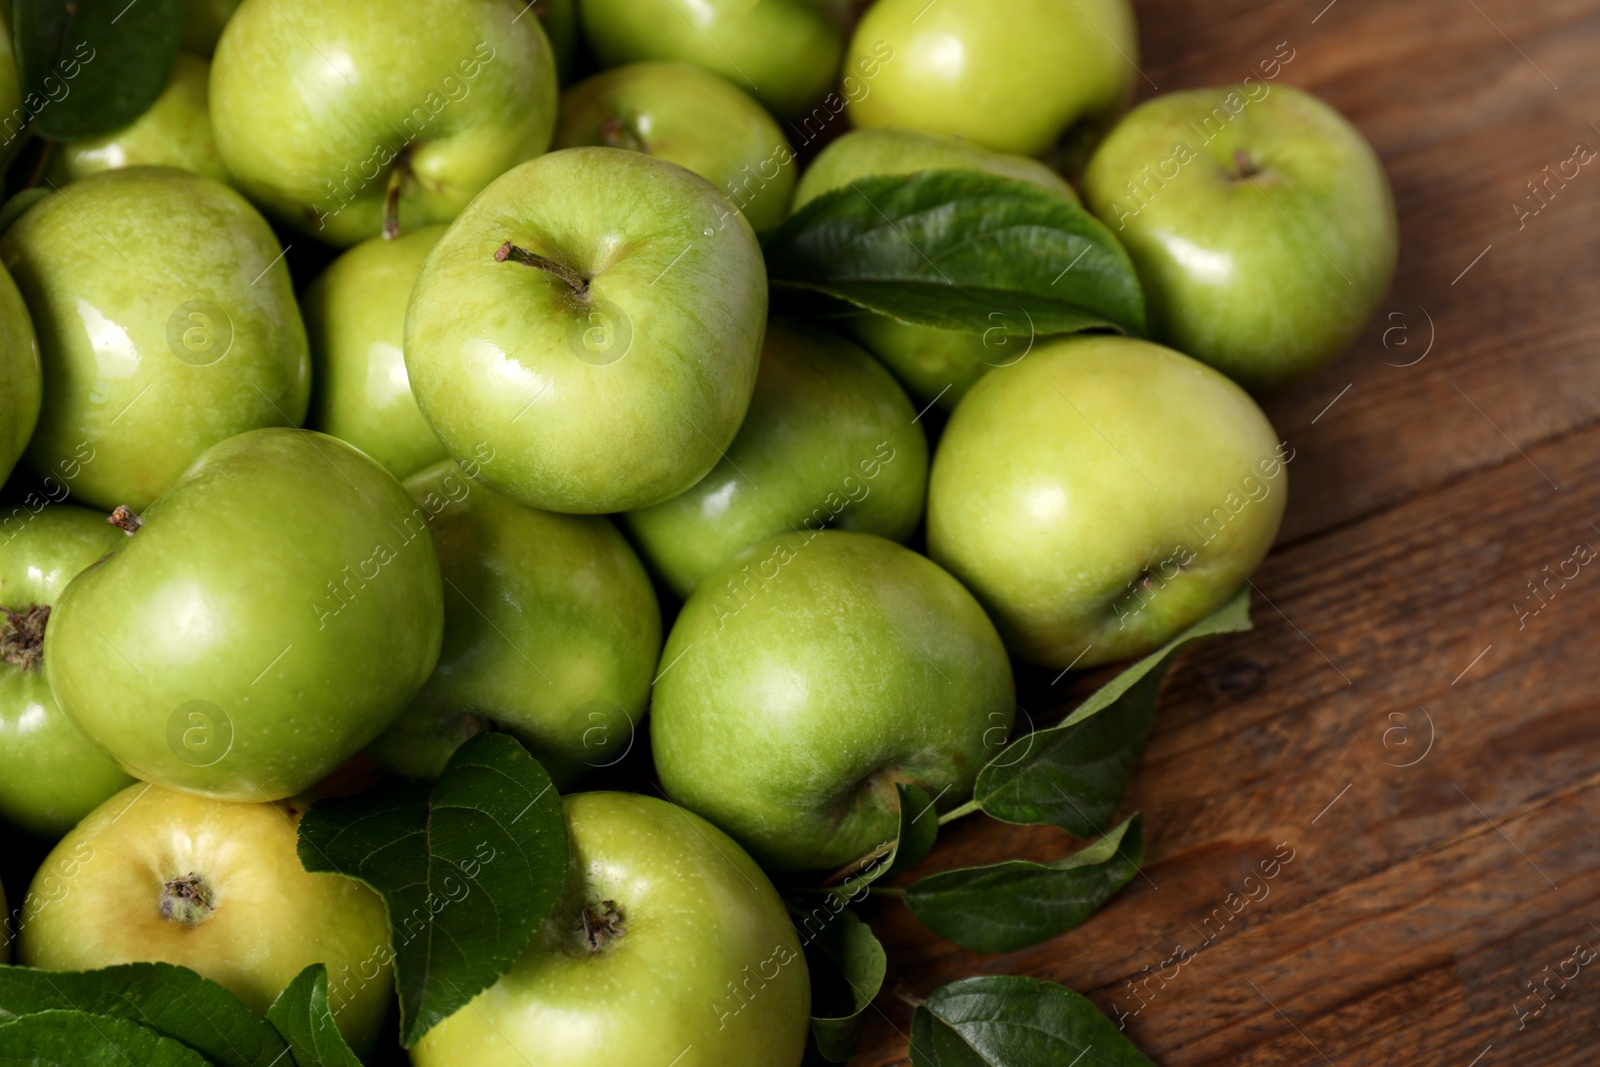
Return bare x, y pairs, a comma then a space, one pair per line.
410, 370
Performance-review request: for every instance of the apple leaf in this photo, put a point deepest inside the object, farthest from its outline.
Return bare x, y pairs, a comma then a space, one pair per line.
1018, 903
847, 966
1074, 775
919, 829
71, 1038
1007, 1021
174, 1002
301, 1014
960, 250
88, 67
490, 831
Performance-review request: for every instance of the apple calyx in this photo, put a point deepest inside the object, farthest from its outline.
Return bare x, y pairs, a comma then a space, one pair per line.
125, 520
187, 899
618, 132
575, 281
1243, 166
23, 641
601, 924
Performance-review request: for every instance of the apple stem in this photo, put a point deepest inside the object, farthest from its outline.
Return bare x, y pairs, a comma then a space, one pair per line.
1244, 164
187, 899
391, 199
125, 520
575, 281
858, 864
23, 642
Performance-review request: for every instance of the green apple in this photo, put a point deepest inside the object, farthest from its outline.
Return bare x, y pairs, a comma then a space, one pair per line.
934, 365
1260, 221
830, 440
668, 946
785, 52
1102, 495
155, 876
807, 677
595, 319
864, 153
203, 21
21, 377
355, 318
279, 606
13, 117
174, 132
688, 116
323, 110
1025, 76
171, 327
551, 632
51, 775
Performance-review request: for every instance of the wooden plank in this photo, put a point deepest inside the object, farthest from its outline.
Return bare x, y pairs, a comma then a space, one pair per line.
1430, 878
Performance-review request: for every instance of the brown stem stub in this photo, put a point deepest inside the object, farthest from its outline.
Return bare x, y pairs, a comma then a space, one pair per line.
23, 641
602, 924
617, 132
187, 899
125, 520
391, 199
1244, 167
575, 281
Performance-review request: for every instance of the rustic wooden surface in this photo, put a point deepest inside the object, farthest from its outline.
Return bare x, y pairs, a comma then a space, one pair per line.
1421, 899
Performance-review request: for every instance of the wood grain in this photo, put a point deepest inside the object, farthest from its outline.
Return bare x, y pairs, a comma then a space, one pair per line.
1421, 899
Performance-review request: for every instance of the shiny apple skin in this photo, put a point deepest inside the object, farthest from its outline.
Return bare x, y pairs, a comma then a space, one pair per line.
174, 132
51, 775
1268, 277
279, 607
1062, 482
784, 52
863, 153
101, 889
701, 923
830, 440
175, 329
688, 116
356, 319
810, 674
552, 632
1023, 76
609, 403
21, 376
467, 88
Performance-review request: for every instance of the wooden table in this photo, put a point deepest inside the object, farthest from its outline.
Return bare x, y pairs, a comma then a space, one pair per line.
1425, 743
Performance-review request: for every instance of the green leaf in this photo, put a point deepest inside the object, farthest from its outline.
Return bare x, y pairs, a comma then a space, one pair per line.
1019, 903
1004, 1021
76, 1039
847, 967
491, 831
1074, 775
917, 832
301, 1014
960, 250
88, 67
172, 1001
